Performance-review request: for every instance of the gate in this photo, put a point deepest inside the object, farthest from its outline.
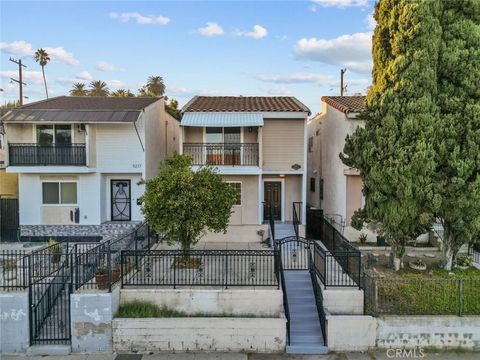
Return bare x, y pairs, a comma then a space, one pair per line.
294, 252
49, 290
8, 219
314, 223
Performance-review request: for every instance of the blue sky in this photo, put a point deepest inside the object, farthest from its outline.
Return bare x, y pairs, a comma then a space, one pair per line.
199, 47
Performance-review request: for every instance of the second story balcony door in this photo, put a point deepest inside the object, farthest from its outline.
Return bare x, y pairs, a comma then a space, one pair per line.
223, 146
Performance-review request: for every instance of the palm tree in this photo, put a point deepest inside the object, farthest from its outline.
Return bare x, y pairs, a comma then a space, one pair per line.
122, 93
42, 58
78, 89
98, 88
155, 85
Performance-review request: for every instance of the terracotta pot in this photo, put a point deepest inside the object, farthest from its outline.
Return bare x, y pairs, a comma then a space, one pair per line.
102, 281
115, 275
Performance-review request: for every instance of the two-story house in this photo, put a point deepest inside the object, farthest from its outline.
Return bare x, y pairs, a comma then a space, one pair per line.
258, 144
79, 159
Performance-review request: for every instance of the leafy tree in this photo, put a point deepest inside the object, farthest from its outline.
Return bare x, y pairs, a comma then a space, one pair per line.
155, 86
98, 88
172, 108
122, 93
7, 106
78, 89
458, 127
183, 204
394, 151
41, 57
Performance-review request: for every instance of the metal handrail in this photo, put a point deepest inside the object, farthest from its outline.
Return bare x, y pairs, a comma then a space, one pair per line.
296, 215
234, 154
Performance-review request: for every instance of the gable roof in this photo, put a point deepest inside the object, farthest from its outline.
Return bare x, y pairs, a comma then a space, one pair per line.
346, 104
245, 104
81, 109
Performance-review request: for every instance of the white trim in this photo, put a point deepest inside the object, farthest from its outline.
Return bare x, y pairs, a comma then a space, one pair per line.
285, 115
59, 182
305, 174
281, 180
241, 191
260, 200
280, 172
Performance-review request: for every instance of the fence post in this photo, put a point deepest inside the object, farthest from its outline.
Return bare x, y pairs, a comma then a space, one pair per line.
226, 270
375, 296
122, 264
109, 267
459, 294
174, 269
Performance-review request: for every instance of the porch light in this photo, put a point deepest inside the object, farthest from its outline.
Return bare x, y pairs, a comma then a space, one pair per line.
282, 175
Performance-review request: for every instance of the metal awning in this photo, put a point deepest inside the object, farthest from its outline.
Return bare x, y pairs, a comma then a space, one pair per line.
66, 116
222, 119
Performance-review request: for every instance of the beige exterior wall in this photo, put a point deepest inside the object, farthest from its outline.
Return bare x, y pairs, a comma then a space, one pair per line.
193, 134
247, 213
19, 133
8, 184
354, 196
314, 160
283, 144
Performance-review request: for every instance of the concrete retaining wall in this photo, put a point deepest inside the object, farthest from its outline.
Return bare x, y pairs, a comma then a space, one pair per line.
429, 331
92, 313
14, 322
257, 302
343, 301
199, 334
350, 332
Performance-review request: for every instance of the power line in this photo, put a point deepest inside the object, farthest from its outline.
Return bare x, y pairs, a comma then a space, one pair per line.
19, 80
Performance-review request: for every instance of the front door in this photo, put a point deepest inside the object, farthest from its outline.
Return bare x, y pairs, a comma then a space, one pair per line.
273, 199
121, 200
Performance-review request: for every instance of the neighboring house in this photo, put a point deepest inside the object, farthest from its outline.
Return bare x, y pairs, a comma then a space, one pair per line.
333, 186
8, 182
258, 144
79, 159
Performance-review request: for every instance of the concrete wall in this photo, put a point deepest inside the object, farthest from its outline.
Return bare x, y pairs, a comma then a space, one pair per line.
258, 302
350, 332
14, 323
343, 301
238, 233
199, 334
91, 320
429, 331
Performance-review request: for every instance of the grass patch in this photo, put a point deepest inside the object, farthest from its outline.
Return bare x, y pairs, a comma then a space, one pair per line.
145, 309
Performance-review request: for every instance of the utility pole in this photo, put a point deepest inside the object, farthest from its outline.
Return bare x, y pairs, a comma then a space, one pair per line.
19, 80
342, 88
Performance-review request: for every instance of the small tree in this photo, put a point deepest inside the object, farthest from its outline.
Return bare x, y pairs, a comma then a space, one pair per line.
183, 204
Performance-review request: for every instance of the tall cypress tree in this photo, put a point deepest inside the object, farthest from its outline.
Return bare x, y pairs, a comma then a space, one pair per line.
458, 128
394, 152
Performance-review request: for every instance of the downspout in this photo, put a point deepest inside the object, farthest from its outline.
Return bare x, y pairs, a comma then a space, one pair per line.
138, 135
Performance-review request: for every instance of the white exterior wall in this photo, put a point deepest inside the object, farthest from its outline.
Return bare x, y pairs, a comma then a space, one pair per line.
335, 126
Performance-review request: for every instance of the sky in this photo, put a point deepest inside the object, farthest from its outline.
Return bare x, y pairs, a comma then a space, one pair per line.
250, 48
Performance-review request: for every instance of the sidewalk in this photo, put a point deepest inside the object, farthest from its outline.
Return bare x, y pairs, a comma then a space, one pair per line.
373, 355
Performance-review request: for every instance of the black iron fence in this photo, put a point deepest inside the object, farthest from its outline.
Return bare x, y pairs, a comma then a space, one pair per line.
14, 265
9, 219
474, 252
55, 154
224, 268
421, 296
296, 216
268, 216
235, 154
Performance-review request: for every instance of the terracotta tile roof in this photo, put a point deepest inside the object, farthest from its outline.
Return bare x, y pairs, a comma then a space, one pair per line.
346, 104
91, 103
245, 104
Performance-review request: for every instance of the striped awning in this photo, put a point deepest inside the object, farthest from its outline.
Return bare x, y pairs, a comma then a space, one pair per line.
222, 119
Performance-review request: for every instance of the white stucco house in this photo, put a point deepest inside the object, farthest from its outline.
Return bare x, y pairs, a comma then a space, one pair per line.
79, 159
333, 186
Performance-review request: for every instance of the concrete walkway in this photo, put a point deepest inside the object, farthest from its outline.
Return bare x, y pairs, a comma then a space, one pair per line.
283, 230
371, 355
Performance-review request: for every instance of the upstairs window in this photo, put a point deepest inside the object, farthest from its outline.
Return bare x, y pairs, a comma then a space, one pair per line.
229, 135
312, 184
54, 134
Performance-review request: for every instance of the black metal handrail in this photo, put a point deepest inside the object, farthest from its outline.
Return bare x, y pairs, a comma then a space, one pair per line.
55, 154
268, 211
285, 299
317, 292
297, 213
234, 154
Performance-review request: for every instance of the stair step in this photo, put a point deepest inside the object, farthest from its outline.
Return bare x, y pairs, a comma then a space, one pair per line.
306, 339
301, 349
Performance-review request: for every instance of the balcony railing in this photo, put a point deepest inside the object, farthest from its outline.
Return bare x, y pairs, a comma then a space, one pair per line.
55, 154
234, 154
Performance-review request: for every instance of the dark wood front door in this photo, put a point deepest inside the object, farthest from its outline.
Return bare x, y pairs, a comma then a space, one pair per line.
120, 200
273, 199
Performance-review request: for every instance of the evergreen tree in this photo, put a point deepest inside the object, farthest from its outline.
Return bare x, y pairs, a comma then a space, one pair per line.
394, 152
458, 128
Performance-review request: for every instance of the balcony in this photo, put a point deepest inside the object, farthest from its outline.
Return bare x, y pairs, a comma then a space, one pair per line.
229, 154
55, 155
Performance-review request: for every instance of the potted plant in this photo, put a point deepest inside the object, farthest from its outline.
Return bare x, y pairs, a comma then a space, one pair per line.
9, 270
418, 265
464, 262
362, 238
55, 250
101, 277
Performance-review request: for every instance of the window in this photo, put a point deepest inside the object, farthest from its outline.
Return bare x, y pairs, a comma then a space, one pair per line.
321, 189
238, 187
310, 144
229, 135
55, 193
312, 184
54, 134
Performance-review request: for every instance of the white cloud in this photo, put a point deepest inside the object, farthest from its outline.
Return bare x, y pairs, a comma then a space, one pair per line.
211, 29
281, 90
19, 48
60, 54
351, 51
115, 84
341, 3
107, 67
370, 21
298, 78
312, 8
34, 77
84, 75
258, 32
140, 19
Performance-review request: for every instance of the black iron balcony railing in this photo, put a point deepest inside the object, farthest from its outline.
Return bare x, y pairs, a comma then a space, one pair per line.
235, 154
55, 154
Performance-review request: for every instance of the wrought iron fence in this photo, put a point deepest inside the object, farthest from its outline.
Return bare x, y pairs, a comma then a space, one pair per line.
474, 252
235, 154
317, 292
296, 216
14, 265
421, 296
200, 268
55, 154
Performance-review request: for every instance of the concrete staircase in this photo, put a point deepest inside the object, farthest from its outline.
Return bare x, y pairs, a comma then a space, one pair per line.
283, 230
305, 331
